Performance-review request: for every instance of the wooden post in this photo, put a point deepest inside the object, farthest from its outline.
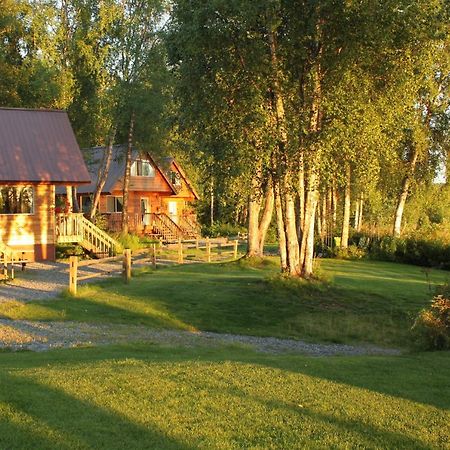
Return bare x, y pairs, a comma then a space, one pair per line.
196, 243
208, 250
154, 256
235, 249
127, 265
73, 269
219, 248
180, 251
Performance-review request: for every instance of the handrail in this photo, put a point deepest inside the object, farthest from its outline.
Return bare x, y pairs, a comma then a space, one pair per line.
78, 228
168, 228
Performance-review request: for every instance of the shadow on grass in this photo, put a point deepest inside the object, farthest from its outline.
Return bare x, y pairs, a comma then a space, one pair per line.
48, 418
58, 420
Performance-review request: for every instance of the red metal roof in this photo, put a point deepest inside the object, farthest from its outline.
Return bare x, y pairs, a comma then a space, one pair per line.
38, 145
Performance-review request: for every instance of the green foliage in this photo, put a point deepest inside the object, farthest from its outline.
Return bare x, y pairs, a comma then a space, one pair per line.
64, 251
432, 327
411, 250
131, 241
351, 252
221, 229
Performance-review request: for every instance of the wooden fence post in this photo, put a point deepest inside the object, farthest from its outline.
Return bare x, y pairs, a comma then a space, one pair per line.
180, 251
219, 248
196, 243
208, 250
235, 254
73, 268
12, 269
154, 256
127, 265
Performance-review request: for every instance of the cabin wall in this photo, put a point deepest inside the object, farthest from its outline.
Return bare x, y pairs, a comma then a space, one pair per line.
33, 234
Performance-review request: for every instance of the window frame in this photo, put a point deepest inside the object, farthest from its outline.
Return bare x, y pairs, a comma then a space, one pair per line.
137, 168
115, 197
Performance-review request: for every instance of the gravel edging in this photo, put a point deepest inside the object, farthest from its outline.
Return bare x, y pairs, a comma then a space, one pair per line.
42, 336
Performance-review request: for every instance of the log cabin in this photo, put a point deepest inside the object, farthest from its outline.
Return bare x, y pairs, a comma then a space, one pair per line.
161, 196
38, 151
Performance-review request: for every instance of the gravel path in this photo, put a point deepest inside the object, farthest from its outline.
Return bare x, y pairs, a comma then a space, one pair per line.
41, 336
41, 281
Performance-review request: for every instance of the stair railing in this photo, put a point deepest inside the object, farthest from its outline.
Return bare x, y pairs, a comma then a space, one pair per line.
76, 228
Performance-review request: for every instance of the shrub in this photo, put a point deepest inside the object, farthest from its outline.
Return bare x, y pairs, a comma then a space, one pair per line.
410, 250
130, 241
432, 326
351, 252
63, 251
221, 229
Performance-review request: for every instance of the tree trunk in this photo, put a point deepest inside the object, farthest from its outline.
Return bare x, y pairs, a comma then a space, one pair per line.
266, 218
126, 178
325, 217
308, 264
291, 233
318, 219
76, 206
356, 219
254, 207
334, 205
360, 210
301, 197
404, 193
280, 227
103, 174
347, 208
307, 242
211, 205
69, 199
284, 173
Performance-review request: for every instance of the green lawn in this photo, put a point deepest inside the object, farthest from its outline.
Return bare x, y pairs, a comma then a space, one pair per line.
363, 301
147, 397
160, 397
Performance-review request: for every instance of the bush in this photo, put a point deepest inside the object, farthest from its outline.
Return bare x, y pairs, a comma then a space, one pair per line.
351, 252
410, 250
220, 229
130, 241
432, 327
63, 251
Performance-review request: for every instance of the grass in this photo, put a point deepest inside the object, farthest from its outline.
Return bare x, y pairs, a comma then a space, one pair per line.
161, 398
363, 301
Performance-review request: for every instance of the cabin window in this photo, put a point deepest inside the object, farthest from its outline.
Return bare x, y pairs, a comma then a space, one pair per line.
141, 168
175, 178
16, 200
86, 203
114, 204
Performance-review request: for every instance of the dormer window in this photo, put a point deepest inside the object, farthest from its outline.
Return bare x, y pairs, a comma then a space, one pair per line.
175, 179
142, 168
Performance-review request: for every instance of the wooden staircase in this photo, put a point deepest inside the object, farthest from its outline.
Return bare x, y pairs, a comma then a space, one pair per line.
190, 227
76, 229
163, 227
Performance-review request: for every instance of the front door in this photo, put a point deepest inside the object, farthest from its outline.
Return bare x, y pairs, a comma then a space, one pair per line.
145, 211
173, 214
